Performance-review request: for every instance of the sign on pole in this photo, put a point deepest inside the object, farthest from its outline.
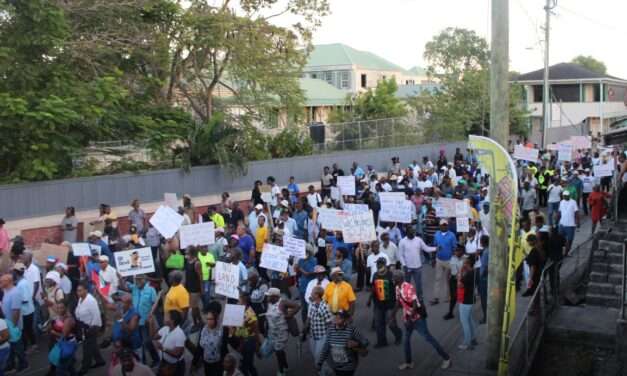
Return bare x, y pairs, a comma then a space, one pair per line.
346, 184
227, 279
526, 154
395, 207
198, 234
233, 315
274, 258
166, 221
134, 262
294, 246
359, 227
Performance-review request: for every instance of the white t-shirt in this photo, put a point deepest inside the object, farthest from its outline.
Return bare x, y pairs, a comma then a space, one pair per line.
32, 275
371, 262
313, 283
422, 185
171, 340
275, 192
471, 249
567, 210
3, 326
314, 200
555, 192
88, 312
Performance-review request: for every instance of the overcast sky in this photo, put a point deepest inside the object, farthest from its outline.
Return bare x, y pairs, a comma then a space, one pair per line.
398, 29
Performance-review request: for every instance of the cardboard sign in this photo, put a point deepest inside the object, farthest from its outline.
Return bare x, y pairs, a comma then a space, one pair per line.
274, 258
603, 170
227, 279
331, 219
84, 249
266, 193
233, 315
57, 251
166, 221
356, 208
526, 154
198, 234
346, 184
449, 207
564, 152
134, 262
462, 208
294, 246
171, 200
335, 193
581, 142
395, 207
462, 224
359, 227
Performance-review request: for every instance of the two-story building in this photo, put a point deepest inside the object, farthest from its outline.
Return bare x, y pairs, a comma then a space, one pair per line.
582, 101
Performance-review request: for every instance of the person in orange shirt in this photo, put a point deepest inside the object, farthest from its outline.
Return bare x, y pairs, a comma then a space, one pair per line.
339, 294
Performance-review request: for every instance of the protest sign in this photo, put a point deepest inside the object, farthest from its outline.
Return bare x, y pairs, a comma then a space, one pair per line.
346, 184
227, 279
59, 252
395, 207
84, 249
603, 170
198, 234
462, 224
449, 207
335, 193
171, 200
166, 221
581, 142
134, 262
356, 208
233, 315
462, 209
274, 258
359, 227
526, 154
294, 246
266, 194
564, 152
331, 219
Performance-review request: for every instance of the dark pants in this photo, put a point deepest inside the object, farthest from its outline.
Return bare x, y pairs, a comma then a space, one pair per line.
420, 326
361, 274
28, 334
543, 196
148, 346
281, 359
380, 313
248, 357
483, 295
452, 292
584, 202
91, 350
17, 351
213, 369
66, 367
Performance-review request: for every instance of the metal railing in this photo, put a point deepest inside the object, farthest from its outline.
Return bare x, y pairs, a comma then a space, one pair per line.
623, 295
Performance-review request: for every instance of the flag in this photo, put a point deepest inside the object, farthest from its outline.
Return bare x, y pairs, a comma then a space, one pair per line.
101, 285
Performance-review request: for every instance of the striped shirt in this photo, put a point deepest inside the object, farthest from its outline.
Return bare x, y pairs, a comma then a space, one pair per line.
336, 350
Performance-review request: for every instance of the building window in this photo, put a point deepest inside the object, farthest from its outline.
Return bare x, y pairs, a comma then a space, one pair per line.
314, 75
328, 77
345, 84
364, 81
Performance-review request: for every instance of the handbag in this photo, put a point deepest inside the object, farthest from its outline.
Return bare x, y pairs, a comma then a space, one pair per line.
266, 349
67, 348
15, 333
54, 356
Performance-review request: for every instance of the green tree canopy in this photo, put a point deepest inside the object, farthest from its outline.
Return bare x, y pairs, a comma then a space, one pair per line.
590, 63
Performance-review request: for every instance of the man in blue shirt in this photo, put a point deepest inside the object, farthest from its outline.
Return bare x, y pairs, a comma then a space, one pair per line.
338, 242
293, 189
144, 297
305, 271
445, 241
12, 310
95, 238
247, 244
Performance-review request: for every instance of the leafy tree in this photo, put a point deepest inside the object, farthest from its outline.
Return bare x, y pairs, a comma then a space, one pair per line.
590, 63
455, 51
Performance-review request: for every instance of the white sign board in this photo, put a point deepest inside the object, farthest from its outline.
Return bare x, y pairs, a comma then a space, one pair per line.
356, 208
171, 200
294, 246
450, 207
84, 249
346, 184
198, 234
227, 279
233, 315
603, 170
526, 154
359, 227
581, 142
331, 219
166, 221
134, 262
335, 193
274, 258
462, 208
564, 152
266, 197
462, 224
395, 207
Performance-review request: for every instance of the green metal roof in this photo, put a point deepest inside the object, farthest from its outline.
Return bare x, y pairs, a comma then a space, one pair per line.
320, 93
341, 54
418, 71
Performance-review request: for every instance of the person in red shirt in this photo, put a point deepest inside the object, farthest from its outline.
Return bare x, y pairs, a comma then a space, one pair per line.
598, 209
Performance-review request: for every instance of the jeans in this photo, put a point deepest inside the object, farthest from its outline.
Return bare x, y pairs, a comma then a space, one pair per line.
468, 323
380, 314
483, 295
148, 346
416, 274
4, 357
206, 295
420, 326
248, 357
28, 334
553, 208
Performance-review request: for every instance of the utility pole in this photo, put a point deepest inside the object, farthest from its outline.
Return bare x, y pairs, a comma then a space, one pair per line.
546, 95
499, 132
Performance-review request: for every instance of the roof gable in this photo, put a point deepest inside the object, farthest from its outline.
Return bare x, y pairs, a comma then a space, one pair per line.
341, 54
565, 71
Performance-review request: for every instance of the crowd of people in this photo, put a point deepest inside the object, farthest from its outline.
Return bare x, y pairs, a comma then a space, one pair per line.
169, 322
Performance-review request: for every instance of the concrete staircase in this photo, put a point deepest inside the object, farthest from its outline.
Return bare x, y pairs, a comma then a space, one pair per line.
606, 276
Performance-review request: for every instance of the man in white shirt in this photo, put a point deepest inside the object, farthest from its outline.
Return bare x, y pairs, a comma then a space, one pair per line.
313, 198
275, 191
423, 183
88, 313
320, 280
371, 260
484, 217
568, 219
410, 256
389, 249
588, 183
554, 196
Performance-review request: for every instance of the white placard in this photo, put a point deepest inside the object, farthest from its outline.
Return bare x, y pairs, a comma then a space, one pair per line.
294, 246
84, 249
346, 184
564, 152
233, 315
331, 219
395, 207
526, 154
171, 200
603, 170
356, 208
134, 262
335, 193
462, 208
227, 279
198, 234
448, 207
166, 221
581, 142
359, 227
266, 197
274, 258
462, 224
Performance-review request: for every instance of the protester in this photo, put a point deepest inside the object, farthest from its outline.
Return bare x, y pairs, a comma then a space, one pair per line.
89, 322
384, 301
466, 299
410, 250
170, 341
212, 345
339, 294
278, 313
343, 346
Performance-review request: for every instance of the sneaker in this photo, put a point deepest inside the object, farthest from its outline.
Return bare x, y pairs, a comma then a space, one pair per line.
449, 316
463, 347
405, 366
446, 364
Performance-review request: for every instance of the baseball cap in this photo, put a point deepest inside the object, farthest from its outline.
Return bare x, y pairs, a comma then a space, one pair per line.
336, 270
103, 258
443, 222
51, 259
273, 291
259, 207
96, 233
19, 267
566, 193
285, 203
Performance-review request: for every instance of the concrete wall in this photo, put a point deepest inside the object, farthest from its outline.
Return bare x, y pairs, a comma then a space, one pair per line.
46, 198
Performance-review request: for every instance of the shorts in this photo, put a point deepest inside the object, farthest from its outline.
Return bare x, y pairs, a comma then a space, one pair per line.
194, 299
568, 232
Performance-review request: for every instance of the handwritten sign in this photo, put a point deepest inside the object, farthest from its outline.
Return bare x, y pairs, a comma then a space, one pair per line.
233, 315
335, 193
581, 142
198, 234
346, 184
461, 208
294, 246
171, 200
59, 252
603, 170
564, 152
274, 258
449, 207
462, 224
134, 262
331, 219
227, 279
356, 208
526, 154
166, 221
395, 207
359, 227
84, 249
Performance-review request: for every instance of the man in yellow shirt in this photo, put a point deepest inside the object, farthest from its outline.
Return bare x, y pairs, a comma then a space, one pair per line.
216, 218
339, 294
261, 234
177, 298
